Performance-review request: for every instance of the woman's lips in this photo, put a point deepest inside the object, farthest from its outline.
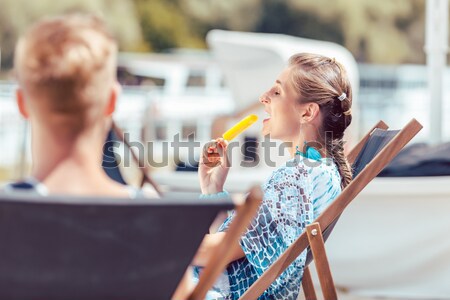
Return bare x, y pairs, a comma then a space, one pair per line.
266, 120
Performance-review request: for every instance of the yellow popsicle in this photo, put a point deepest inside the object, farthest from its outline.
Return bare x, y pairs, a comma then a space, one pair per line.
239, 127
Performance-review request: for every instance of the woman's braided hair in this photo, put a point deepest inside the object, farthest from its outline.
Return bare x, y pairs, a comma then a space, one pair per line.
324, 81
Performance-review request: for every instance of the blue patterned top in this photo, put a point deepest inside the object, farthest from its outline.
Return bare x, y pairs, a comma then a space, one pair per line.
294, 195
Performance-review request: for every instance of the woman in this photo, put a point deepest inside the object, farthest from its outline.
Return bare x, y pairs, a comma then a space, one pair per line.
309, 107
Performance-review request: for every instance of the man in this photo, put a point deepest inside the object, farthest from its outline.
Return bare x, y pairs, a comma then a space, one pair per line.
66, 67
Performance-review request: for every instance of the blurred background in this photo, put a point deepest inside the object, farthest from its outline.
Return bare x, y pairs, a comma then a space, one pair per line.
375, 32
166, 63
197, 66
174, 84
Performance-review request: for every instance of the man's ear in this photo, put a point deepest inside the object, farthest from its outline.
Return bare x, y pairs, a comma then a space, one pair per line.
20, 98
114, 94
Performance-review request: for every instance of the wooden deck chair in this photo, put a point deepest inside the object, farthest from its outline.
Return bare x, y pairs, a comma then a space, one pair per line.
83, 248
369, 157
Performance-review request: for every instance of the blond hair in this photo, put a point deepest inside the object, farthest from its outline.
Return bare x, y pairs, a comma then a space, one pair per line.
324, 81
67, 62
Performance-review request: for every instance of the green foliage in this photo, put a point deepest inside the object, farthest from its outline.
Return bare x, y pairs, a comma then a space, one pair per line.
17, 15
278, 17
378, 31
165, 26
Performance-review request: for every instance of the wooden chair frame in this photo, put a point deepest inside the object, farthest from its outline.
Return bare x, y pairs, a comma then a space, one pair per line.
312, 236
317, 244
143, 167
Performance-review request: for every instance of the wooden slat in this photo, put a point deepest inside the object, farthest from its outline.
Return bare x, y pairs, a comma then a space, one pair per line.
142, 166
308, 286
353, 154
336, 208
317, 246
217, 263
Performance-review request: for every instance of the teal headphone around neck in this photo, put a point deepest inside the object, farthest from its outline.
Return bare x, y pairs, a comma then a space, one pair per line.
310, 153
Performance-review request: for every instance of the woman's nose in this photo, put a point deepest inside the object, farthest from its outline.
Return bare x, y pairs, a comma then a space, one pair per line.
263, 98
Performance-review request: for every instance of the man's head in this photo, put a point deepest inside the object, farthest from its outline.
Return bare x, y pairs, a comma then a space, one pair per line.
66, 70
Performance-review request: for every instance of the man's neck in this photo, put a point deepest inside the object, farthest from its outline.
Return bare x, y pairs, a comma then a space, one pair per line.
72, 164
52, 152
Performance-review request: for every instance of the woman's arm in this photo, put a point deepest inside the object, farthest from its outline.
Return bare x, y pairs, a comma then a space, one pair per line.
208, 246
212, 178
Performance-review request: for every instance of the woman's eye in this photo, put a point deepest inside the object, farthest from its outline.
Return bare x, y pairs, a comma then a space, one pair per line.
275, 91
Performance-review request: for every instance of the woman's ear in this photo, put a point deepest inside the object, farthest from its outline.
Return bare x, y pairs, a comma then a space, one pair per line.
309, 112
20, 98
112, 100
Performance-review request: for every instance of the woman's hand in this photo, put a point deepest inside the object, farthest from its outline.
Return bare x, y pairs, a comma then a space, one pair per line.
213, 169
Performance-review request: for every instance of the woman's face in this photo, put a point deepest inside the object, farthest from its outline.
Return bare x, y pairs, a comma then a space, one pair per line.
281, 103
